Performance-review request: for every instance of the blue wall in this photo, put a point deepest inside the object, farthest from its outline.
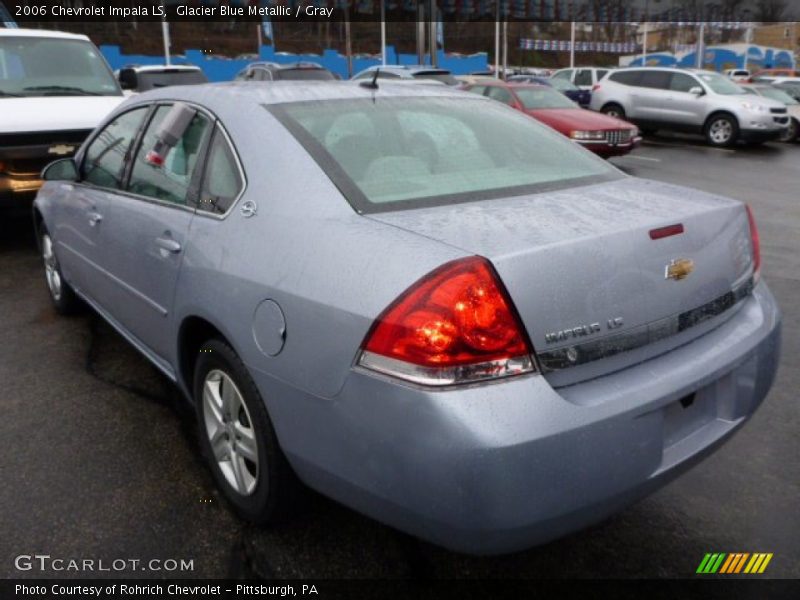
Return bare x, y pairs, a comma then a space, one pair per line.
220, 69
721, 58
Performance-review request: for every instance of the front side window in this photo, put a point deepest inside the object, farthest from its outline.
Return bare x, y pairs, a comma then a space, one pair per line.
108, 152
168, 181
681, 82
222, 181
33, 66
434, 151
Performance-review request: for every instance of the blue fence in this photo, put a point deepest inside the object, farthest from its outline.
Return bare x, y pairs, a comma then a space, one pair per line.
221, 69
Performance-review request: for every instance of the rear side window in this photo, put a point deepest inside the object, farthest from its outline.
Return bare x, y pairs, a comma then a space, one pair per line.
222, 181
658, 80
601, 73
626, 77
500, 94
583, 77
108, 152
169, 181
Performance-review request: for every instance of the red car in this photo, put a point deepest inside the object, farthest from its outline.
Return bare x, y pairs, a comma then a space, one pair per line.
599, 133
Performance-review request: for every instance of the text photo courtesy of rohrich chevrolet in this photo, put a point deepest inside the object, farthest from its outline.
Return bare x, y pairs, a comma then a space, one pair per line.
399, 299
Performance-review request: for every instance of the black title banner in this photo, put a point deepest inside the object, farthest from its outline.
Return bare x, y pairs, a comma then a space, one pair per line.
719, 12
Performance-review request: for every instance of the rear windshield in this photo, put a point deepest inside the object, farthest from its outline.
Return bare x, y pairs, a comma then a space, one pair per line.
149, 80
394, 153
442, 76
303, 74
543, 97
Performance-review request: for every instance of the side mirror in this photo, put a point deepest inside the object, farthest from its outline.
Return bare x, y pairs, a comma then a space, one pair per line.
63, 169
696, 90
128, 79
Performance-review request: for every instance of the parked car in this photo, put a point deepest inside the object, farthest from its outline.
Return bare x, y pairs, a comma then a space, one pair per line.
601, 134
792, 106
441, 313
582, 77
690, 100
141, 78
270, 71
738, 75
790, 85
54, 89
571, 91
407, 72
766, 75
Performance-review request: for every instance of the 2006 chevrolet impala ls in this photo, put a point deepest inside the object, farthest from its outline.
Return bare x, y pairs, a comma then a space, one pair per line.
415, 300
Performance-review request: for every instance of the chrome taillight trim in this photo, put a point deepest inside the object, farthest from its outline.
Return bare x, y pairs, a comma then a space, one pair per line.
446, 376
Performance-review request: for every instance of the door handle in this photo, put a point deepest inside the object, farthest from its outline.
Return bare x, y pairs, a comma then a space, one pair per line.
168, 244
94, 218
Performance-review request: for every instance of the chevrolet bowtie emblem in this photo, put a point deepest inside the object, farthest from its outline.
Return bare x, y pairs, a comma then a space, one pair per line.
61, 149
679, 268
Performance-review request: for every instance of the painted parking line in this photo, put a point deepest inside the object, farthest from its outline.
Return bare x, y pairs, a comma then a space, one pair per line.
648, 158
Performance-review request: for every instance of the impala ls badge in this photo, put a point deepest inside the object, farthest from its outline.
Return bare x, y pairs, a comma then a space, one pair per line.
679, 268
61, 149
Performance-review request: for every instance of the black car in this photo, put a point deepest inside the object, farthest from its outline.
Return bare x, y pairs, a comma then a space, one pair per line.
569, 89
269, 71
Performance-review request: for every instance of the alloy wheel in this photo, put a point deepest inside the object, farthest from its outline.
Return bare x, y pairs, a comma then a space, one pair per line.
720, 131
230, 432
51, 268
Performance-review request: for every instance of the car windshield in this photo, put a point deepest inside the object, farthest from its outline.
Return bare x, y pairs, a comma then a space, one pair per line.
779, 95
393, 153
33, 66
443, 76
721, 85
543, 97
303, 74
148, 80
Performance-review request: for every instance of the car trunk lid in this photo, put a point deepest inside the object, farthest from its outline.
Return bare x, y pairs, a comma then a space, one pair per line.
589, 282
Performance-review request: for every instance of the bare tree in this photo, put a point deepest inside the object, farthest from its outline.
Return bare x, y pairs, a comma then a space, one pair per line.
770, 10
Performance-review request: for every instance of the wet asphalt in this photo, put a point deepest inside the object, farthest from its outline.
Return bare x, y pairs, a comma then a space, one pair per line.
99, 457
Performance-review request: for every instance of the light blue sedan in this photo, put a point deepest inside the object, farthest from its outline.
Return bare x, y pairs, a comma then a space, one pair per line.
416, 301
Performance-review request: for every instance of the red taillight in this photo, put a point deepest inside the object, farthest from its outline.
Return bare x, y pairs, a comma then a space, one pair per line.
669, 230
455, 325
756, 242
595, 87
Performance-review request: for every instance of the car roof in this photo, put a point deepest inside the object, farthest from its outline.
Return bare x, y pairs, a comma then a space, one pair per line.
143, 68
407, 68
215, 95
41, 33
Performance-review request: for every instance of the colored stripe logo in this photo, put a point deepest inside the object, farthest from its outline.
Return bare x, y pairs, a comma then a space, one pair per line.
734, 563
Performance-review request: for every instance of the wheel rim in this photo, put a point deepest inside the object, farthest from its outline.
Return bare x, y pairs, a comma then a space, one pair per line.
51, 268
230, 432
790, 133
720, 131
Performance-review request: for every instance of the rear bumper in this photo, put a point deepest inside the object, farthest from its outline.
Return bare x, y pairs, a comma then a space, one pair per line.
500, 467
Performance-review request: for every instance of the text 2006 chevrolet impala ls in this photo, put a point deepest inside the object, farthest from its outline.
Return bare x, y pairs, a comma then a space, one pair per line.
417, 301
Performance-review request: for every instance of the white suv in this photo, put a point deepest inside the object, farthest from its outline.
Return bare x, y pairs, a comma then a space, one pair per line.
54, 89
693, 101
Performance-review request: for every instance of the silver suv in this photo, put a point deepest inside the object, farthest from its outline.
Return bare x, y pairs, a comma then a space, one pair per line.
689, 100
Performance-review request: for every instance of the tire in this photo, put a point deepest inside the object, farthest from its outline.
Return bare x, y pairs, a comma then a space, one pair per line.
721, 130
613, 109
64, 299
791, 132
248, 466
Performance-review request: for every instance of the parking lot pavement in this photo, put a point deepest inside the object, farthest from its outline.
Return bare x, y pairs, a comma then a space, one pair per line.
100, 461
